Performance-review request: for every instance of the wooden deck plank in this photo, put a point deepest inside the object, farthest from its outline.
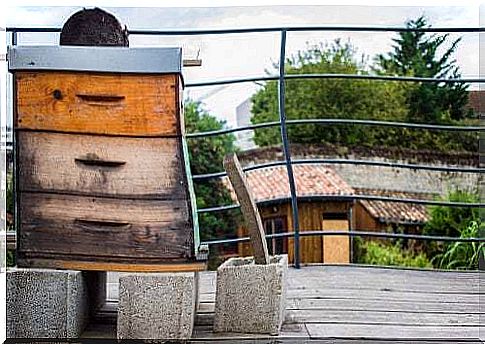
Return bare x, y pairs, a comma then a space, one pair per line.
403, 284
387, 306
372, 317
390, 331
381, 295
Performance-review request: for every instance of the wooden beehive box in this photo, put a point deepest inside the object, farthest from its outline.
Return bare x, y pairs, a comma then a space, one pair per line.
103, 180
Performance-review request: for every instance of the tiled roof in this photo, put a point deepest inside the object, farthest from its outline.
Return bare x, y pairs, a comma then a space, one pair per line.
311, 180
317, 180
395, 212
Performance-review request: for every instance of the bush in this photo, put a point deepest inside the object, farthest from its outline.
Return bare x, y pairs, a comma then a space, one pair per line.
462, 255
377, 253
454, 222
10, 258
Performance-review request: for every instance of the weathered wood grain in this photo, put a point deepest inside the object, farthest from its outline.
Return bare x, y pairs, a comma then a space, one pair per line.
139, 105
248, 208
409, 306
393, 284
331, 293
308, 316
390, 331
100, 227
100, 165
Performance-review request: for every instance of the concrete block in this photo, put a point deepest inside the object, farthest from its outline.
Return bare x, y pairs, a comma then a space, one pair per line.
251, 298
156, 305
44, 303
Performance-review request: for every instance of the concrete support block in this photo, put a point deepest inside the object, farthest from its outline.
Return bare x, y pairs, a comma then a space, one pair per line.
44, 303
251, 298
156, 305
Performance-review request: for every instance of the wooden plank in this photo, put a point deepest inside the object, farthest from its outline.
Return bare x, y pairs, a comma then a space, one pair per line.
370, 274
100, 165
309, 316
355, 294
386, 306
104, 227
390, 285
110, 266
383, 331
249, 210
117, 104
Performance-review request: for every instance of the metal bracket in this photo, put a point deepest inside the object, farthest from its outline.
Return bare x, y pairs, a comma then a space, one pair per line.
203, 253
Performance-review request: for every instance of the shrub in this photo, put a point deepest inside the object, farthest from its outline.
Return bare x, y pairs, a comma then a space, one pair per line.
10, 258
454, 222
462, 255
377, 253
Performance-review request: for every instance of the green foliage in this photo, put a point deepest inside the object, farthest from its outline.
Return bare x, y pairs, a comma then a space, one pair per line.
328, 98
9, 200
10, 258
206, 156
418, 54
450, 221
462, 255
377, 253
370, 99
454, 222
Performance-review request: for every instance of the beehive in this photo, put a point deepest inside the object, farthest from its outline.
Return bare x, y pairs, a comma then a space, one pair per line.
103, 180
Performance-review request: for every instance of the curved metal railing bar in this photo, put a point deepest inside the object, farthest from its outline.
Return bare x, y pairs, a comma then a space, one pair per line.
406, 125
336, 76
270, 29
353, 233
216, 175
351, 198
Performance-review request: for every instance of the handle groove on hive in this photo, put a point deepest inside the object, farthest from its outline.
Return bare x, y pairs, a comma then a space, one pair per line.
101, 99
102, 223
99, 162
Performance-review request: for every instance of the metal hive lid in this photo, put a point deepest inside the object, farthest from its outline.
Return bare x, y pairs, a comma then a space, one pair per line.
96, 59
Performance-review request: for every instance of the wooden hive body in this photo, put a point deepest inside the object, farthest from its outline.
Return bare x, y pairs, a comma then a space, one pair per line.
101, 162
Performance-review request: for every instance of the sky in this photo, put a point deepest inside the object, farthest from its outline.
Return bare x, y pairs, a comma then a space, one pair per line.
254, 54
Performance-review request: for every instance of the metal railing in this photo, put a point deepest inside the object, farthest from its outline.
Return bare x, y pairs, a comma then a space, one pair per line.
283, 123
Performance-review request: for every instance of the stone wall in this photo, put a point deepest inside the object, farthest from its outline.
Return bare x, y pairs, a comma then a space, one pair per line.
385, 178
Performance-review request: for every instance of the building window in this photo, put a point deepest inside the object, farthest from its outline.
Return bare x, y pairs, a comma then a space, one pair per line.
275, 225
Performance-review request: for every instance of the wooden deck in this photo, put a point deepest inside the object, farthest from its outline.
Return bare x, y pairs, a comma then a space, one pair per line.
349, 304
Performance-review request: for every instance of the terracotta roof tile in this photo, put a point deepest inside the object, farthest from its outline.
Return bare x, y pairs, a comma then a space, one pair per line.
311, 180
395, 212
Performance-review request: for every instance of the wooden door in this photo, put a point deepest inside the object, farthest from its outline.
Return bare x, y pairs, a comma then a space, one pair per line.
336, 248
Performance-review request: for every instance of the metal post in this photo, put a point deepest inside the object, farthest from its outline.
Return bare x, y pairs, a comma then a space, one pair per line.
14, 41
286, 150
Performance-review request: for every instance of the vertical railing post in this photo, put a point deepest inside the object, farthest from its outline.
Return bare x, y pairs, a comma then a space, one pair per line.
15, 179
286, 150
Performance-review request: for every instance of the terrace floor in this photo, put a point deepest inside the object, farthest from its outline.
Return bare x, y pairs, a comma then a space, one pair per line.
350, 304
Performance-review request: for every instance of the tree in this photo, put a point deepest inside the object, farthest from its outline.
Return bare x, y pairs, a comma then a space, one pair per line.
328, 98
416, 53
206, 156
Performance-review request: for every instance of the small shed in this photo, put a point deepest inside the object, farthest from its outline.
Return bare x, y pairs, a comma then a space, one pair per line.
270, 190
